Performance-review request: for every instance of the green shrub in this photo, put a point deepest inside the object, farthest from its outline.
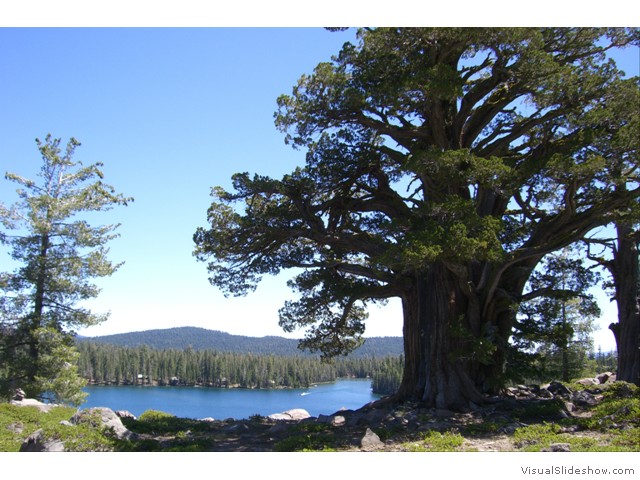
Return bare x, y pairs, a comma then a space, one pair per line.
540, 409
536, 437
155, 422
619, 407
627, 440
433, 441
17, 423
154, 416
308, 437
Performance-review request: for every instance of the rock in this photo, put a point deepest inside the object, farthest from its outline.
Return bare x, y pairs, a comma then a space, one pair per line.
294, 414
521, 391
106, 417
583, 399
371, 441
37, 443
207, 419
544, 393
558, 388
30, 402
511, 391
125, 414
19, 394
66, 423
604, 377
338, 420
570, 429
559, 447
334, 420
15, 427
588, 381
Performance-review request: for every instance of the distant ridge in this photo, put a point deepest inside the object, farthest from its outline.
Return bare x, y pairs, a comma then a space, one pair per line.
180, 338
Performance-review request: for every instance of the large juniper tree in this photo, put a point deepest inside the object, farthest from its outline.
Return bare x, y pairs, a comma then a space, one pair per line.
57, 254
442, 165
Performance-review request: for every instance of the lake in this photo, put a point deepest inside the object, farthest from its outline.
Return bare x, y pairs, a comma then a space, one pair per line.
238, 403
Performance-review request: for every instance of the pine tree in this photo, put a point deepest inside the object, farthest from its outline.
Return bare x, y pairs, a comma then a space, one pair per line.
557, 320
58, 254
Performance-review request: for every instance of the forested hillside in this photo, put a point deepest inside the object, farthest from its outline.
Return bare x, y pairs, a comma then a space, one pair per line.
111, 364
196, 356
203, 339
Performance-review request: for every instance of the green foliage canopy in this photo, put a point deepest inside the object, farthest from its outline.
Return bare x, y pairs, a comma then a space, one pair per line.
456, 118
442, 165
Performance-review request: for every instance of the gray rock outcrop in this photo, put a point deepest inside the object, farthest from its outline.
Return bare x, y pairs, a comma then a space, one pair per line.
558, 388
36, 442
293, 414
584, 399
31, 402
106, 417
125, 414
606, 377
371, 441
588, 381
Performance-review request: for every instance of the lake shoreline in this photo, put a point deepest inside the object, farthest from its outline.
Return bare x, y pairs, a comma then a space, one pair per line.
214, 402
156, 383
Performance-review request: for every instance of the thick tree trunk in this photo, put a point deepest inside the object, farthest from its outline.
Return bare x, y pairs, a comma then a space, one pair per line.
627, 284
441, 369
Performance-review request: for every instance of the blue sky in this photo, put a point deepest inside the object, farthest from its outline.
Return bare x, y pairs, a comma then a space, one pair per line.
171, 113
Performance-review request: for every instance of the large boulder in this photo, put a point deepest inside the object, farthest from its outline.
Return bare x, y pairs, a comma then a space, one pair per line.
589, 381
31, 402
371, 441
125, 414
606, 377
558, 388
101, 416
584, 399
293, 414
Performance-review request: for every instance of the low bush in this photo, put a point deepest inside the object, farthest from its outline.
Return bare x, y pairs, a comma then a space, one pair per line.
17, 423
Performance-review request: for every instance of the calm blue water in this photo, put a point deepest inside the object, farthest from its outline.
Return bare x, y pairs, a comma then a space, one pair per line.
222, 403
